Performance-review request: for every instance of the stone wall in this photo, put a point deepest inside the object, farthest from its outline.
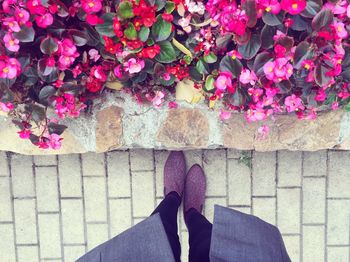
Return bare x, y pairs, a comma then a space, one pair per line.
117, 122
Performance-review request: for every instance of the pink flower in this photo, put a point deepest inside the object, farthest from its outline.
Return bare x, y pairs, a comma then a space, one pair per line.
248, 77
255, 93
94, 19
55, 141
98, 73
25, 133
172, 105
158, 99
184, 22
12, 24
263, 132
35, 7
340, 30
68, 48
77, 71
118, 71
6, 107
336, 8
22, 15
348, 11
278, 70
293, 103
321, 95
11, 43
94, 55
134, 65
10, 68
272, 6
234, 20
223, 81
257, 114
335, 105
91, 6
44, 21
225, 115
293, 7
235, 54
65, 61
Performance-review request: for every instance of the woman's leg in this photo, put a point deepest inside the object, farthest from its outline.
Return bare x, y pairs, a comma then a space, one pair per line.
167, 210
199, 229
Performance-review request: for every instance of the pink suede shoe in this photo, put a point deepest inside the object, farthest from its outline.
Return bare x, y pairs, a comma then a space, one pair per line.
175, 173
195, 187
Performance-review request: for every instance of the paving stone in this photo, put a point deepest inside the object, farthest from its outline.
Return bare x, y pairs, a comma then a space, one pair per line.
264, 174
22, 176
96, 234
239, 183
313, 243
72, 253
49, 235
184, 246
70, 175
25, 219
338, 254
28, 253
292, 244
246, 210
210, 204
143, 193
214, 162
141, 159
234, 153
138, 220
160, 158
315, 163
93, 164
265, 208
118, 174
4, 168
193, 157
338, 222
95, 199
289, 168
5, 200
339, 174
72, 221
314, 195
46, 189
49, 160
120, 213
7, 246
288, 210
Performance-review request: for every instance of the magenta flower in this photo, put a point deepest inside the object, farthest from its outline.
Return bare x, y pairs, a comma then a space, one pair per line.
134, 65
255, 93
12, 24
278, 70
10, 69
44, 20
248, 77
25, 133
55, 141
99, 73
340, 30
272, 6
91, 6
22, 15
118, 71
348, 11
293, 103
6, 107
256, 114
225, 115
293, 7
223, 81
11, 43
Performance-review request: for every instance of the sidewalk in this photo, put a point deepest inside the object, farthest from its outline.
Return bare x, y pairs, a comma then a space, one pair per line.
56, 208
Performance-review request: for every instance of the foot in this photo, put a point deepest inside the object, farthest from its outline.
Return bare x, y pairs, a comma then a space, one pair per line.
195, 187
175, 173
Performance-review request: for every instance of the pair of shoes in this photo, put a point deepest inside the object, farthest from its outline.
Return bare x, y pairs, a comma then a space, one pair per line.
191, 186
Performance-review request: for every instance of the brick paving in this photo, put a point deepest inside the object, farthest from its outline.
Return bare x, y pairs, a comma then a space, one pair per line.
55, 208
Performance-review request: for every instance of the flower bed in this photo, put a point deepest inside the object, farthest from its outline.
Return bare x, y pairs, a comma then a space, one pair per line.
259, 57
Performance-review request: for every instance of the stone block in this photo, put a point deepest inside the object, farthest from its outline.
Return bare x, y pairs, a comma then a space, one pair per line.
315, 163
93, 164
70, 175
265, 208
95, 199
289, 168
239, 183
5, 200
49, 235
22, 176
314, 200
25, 220
314, 243
72, 253
7, 243
118, 174
28, 253
96, 234
46, 189
72, 221
120, 214
143, 197
339, 174
214, 165
338, 222
141, 160
288, 210
264, 174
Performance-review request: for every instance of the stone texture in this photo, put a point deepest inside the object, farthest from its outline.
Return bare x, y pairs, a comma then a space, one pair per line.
184, 128
286, 132
109, 129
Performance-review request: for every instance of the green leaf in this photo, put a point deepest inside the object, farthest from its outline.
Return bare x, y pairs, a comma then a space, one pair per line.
347, 107
45, 93
320, 75
323, 19
209, 83
80, 38
38, 112
300, 23
312, 8
259, 62
267, 34
250, 49
210, 58
161, 29
56, 128
169, 82
48, 46
125, 10
302, 52
93, 36
160, 4
250, 8
144, 33
202, 67
234, 66
273, 20
194, 74
107, 27
286, 41
167, 52
43, 69
25, 35
169, 7
130, 32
